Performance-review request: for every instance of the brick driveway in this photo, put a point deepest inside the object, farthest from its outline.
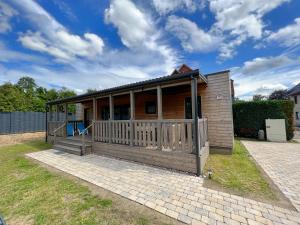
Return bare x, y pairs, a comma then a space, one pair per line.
297, 135
281, 161
177, 195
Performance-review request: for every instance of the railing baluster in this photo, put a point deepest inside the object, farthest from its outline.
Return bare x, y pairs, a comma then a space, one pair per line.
175, 135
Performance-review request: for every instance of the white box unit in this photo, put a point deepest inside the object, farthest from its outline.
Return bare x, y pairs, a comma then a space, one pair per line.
276, 130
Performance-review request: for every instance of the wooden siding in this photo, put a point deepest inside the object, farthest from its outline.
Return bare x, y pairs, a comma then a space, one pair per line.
140, 102
173, 160
216, 105
217, 108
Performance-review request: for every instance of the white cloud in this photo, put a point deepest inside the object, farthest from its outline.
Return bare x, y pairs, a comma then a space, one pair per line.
266, 74
296, 82
267, 63
235, 22
227, 49
133, 26
138, 31
166, 6
6, 13
53, 38
151, 58
191, 36
287, 36
236, 19
7, 55
242, 17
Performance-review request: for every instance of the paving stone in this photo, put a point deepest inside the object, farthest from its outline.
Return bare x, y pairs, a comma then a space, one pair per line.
172, 213
178, 195
184, 218
269, 155
238, 218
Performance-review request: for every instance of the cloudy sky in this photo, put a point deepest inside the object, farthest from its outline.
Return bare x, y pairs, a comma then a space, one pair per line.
102, 43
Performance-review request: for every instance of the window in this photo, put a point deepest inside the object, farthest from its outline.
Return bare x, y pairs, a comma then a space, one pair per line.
188, 107
297, 116
295, 99
150, 108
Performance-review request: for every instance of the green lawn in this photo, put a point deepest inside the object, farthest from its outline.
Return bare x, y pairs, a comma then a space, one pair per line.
237, 173
30, 194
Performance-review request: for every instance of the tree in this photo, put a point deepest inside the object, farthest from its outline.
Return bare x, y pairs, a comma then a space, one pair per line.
26, 84
259, 97
26, 95
279, 95
90, 90
65, 93
12, 98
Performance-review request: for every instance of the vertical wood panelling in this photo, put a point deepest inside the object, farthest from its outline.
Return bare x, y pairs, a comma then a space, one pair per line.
176, 135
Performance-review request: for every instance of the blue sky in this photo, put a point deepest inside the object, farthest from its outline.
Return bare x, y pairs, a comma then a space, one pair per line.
101, 43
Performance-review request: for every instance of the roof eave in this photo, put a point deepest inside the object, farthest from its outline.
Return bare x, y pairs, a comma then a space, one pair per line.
129, 87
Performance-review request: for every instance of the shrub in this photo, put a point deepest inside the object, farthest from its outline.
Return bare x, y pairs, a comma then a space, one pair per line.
249, 117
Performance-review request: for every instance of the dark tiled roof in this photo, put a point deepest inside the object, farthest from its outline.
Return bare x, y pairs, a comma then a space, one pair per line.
131, 86
295, 90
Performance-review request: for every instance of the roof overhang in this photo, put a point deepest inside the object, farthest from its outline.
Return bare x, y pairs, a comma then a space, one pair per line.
144, 85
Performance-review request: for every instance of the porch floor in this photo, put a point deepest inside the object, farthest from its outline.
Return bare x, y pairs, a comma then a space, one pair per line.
177, 195
79, 138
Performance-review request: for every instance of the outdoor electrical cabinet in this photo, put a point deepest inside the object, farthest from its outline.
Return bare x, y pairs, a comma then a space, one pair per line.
276, 130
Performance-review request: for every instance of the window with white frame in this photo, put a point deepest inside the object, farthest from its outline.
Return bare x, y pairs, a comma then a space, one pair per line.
296, 99
297, 115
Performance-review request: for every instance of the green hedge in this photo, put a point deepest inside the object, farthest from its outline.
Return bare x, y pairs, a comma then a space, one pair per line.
249, 117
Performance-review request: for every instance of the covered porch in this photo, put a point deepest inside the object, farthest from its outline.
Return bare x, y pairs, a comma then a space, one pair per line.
158, 124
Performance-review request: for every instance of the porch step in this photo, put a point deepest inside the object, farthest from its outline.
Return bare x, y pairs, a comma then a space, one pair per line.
75, 151
77, 140
73, 146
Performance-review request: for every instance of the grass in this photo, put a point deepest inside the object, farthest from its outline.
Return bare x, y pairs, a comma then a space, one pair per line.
237, 173
30, 194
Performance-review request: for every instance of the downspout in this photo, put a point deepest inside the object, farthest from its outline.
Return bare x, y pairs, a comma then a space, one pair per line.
195, 98
46, 138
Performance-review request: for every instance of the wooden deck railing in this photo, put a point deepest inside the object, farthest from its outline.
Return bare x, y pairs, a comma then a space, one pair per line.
53, 125
177, 135
202, 131
166, 135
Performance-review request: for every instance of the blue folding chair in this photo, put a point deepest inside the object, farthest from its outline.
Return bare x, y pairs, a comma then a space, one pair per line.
81, 128
70, 129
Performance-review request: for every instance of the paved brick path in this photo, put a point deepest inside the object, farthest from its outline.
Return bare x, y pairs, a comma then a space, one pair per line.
177, 195
297, 135
281, 161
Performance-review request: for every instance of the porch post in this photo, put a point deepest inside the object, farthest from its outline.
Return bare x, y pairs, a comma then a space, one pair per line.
195, 122
111, 116
57, 112
66, 116
46, 125
159, 116
95, 113
159, 103
66, 112
132, 115
95, 109
50, 113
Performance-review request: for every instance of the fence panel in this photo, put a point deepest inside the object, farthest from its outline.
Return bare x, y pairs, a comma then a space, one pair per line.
22, 122
4, 123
